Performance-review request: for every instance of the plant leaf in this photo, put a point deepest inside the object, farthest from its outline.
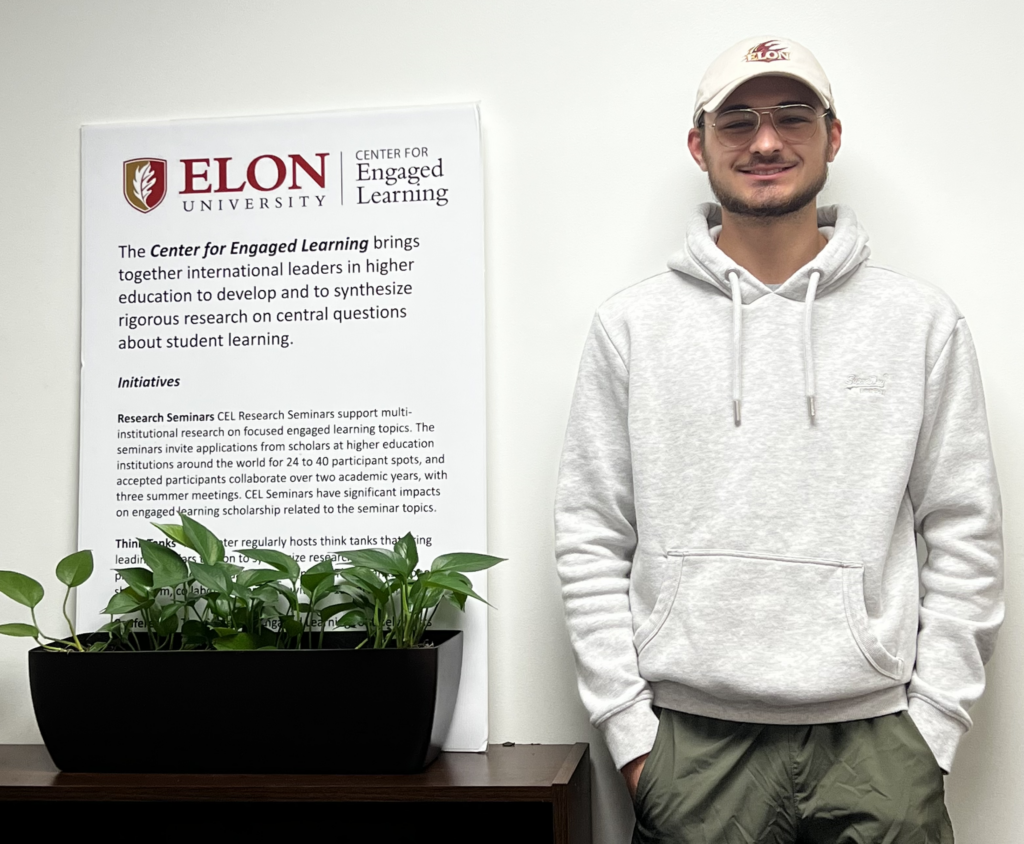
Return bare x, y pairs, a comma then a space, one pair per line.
175, 533
221, 606
196, 632
257, 577
366, 580
265, 640
421, 596
168, 610
123, 602
324, 589
237, 642
276, 559
453, 582
165, 626
357, 594
208, 546
116, 629
378, 559
289, 595
139, 579
213, 578
405, 548
431, 595
336, 609
354, 618
21, 588
291, 626
268, 594
455, 598
75, 568
315, 576
168, 567
465, 562
17, 629
322, 567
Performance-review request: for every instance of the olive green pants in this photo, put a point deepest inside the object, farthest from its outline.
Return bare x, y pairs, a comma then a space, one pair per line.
857, 782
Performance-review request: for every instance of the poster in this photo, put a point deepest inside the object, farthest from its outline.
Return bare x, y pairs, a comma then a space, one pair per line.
283, 336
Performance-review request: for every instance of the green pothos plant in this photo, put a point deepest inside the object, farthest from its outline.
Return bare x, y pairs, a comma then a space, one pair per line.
198, 601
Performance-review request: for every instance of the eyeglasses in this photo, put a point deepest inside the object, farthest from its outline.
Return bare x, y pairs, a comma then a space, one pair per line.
793, 123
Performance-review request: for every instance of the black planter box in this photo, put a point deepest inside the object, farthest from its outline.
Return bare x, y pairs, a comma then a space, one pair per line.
337, 710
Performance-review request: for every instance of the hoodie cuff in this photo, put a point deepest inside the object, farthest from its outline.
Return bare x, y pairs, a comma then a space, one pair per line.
630, 732
940, 731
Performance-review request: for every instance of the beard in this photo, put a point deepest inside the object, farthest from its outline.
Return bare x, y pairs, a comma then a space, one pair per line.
770, 207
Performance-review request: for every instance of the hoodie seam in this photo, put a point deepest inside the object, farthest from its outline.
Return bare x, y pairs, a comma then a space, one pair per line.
945, 346
901, 275
625, 291
693, 256
942, 708
622, 707
611, 343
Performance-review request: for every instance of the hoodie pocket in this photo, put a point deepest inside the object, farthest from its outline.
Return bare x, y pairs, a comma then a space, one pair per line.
780, 630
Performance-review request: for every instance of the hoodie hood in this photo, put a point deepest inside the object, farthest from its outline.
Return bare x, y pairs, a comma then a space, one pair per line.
701, 259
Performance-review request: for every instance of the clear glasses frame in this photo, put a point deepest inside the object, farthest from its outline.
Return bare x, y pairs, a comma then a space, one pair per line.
794, 122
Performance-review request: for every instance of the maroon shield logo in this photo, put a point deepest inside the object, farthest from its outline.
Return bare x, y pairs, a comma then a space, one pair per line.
145, 183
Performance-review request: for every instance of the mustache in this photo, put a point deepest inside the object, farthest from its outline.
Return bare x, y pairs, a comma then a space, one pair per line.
774, 160
765, 161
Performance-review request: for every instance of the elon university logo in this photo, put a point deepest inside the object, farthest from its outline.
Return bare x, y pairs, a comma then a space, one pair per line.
145, 183
768, 51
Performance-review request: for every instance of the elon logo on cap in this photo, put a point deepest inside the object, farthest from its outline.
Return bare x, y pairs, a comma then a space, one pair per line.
767, 51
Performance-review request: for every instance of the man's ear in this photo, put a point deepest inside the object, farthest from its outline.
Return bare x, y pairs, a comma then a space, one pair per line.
693, 141
835, 139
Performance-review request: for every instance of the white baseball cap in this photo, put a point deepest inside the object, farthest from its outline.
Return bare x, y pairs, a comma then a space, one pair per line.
760, 57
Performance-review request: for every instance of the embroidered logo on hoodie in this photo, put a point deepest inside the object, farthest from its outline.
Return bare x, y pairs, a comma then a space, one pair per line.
767, 51
867, 383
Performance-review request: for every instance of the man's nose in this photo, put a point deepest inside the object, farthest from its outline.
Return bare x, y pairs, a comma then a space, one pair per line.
766, 139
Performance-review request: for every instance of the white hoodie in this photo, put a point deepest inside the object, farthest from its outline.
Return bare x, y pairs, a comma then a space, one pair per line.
726, 553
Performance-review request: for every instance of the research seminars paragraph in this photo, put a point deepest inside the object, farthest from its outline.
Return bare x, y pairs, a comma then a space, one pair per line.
324, 462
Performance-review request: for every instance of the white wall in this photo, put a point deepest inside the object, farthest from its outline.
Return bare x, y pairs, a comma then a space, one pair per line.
584, 109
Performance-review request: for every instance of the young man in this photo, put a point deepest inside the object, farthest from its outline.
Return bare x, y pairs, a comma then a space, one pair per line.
755, 440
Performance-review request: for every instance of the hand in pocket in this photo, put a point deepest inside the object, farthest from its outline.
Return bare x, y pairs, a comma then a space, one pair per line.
631, 773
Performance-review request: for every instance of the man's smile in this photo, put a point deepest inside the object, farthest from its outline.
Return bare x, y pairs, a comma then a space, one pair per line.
765, 171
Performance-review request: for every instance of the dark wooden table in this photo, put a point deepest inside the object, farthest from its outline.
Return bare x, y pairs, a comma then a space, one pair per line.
530, 792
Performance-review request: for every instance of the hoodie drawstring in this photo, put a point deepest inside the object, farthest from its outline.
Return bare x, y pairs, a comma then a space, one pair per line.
809, 374
737, 347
